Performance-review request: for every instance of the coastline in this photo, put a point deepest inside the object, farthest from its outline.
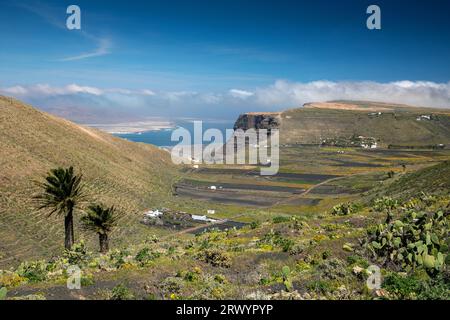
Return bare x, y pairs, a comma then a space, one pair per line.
137, 127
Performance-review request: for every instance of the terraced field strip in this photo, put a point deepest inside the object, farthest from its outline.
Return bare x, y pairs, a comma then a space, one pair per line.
238, 186
196, 228
316, 186
249, 198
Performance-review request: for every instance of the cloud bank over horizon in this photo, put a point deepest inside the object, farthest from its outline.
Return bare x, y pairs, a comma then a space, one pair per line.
171, 104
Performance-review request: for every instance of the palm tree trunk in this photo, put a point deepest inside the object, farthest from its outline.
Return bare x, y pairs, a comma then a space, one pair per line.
104, 245
68, 226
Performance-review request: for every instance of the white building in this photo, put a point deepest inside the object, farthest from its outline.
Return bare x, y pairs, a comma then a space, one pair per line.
202, 218
424, 117
369, 146
153, 214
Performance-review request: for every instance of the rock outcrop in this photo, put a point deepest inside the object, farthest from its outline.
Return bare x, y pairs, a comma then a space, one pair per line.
258, 120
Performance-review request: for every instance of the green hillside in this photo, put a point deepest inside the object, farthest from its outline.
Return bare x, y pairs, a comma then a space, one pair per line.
434, 179
389, 124
129, 175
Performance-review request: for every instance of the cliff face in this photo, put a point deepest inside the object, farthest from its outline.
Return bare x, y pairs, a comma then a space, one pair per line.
255, 120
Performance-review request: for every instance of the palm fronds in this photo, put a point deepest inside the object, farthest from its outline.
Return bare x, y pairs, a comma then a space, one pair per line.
100, 219
61, 191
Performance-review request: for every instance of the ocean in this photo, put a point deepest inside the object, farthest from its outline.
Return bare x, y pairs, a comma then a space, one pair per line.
162, 138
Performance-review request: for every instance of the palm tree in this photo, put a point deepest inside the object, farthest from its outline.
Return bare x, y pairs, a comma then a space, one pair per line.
100, 220
62, 193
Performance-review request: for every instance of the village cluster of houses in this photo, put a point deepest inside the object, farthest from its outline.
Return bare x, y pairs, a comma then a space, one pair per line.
368, 142
419, 118
354, 141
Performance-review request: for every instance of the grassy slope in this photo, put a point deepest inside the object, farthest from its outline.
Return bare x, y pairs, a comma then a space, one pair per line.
434, 179
129, 175
319, 263
396, 126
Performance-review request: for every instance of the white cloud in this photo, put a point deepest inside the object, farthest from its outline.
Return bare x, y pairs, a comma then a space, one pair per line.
73, 88
15, 91
242, 94
280, 95
104, 46
418, 93
178, 95
147, 92
45, 90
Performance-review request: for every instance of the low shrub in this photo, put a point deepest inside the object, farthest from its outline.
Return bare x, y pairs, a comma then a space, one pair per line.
145, 256
385, 204
77, 255
276, 239
33, 271
87, 279
297, 248
215, 257
255, 224
280, 219
415, 287
220, 278
171, 286
10, 279
357, 260
121, 292
190, 276
332, 269
344, 209
321, 286
118, 258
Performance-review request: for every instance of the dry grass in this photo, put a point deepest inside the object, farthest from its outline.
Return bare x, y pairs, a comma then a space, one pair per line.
396, 124
129, 175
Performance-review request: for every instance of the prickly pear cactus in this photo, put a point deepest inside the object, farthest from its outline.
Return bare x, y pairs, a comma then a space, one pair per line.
419, 239
286, 278
3, 292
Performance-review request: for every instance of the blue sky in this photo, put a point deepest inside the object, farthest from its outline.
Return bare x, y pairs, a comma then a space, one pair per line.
174, 58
